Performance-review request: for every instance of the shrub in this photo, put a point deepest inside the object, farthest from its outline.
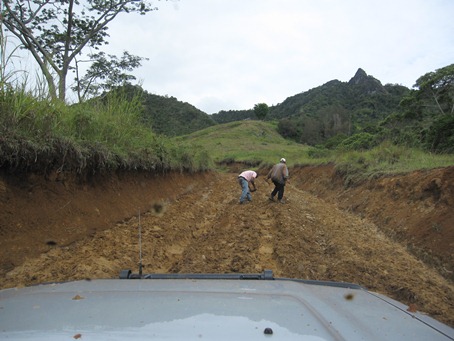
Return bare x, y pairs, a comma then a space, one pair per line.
360, 141
288, 129
335, 141
318, 153
440, 136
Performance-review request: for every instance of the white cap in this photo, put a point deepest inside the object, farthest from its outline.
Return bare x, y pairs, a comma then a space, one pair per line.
283, 160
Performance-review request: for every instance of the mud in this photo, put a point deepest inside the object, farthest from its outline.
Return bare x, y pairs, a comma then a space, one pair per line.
392, 235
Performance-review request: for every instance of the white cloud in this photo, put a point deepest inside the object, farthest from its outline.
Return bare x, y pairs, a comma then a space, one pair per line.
232, 54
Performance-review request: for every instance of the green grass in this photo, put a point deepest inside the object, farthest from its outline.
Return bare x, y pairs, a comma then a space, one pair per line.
39, 135
258, 143
247, 141
357, 166
388, 158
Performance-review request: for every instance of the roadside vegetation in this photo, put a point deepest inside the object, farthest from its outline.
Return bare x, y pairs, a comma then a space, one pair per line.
40, 135
258, 144
106, 130
110, 133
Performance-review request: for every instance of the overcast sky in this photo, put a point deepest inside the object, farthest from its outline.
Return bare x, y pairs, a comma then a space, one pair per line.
232, 54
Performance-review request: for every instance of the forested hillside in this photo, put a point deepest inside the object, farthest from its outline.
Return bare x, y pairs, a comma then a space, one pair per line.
170, 117
358, 114
362, 113
333, 108
309, 117
225, 116
337, 108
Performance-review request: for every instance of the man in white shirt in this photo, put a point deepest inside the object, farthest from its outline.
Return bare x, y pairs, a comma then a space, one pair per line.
244, 179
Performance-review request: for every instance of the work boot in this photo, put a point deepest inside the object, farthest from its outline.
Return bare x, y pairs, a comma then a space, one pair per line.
282, 201
271, 198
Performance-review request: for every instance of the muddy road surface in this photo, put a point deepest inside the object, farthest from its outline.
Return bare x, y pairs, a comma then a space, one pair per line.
196, 225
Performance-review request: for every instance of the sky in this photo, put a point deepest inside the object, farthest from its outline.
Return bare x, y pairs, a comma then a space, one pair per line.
232, 54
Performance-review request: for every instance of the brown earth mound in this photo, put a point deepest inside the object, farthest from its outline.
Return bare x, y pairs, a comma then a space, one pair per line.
59, 229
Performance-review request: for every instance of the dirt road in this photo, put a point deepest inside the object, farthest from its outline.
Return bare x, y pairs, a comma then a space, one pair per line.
204, 229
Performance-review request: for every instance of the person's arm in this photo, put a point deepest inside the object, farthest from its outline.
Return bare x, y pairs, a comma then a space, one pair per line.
267, 178
269, 174
285, 174
253, 185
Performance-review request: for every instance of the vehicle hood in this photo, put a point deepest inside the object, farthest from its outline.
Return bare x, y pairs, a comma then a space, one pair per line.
187, 309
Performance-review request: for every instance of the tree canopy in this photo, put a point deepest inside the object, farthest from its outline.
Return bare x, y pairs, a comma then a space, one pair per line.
438, 87
261, 110
56, 31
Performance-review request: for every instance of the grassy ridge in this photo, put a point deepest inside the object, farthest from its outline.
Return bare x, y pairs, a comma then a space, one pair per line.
258, 143
252, 142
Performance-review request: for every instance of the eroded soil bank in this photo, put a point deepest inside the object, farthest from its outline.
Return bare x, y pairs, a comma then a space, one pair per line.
63, 229
415, 209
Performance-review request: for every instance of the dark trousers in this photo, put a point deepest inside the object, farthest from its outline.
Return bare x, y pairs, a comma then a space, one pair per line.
278, 189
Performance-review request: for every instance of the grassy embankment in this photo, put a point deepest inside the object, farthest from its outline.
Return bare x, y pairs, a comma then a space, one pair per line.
42, 136
257, 143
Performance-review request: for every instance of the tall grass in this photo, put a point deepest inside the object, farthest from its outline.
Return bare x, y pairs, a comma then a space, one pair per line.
387, 158
41, 135
390, 158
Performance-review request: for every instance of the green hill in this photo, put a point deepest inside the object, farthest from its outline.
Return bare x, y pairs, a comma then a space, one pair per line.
171, 117
360, 113
164, 115
333, 108
257, 144
251, 142
310, 117
338, 108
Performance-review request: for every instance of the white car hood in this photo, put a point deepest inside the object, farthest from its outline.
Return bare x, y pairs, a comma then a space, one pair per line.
177, 309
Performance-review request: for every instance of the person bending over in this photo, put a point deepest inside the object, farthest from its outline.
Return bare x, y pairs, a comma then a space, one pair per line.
246, 179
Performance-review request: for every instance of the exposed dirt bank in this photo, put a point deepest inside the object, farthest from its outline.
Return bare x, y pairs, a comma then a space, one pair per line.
415, 209
39, 214
59, 229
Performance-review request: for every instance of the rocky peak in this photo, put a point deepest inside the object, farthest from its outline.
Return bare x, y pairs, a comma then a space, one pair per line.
368, 83
359, 77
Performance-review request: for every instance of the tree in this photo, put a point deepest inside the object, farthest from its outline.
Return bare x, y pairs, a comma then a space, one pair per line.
109, 70
261, 110
440, 136
287, 129
56, 31
438, 86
